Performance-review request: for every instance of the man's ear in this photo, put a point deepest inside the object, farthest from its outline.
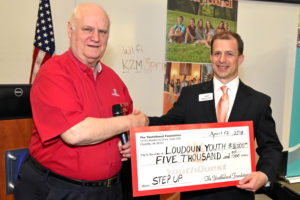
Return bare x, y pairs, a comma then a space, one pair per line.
70, 29
241, 59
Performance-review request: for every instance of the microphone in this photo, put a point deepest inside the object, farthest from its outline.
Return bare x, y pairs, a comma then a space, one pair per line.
118, 111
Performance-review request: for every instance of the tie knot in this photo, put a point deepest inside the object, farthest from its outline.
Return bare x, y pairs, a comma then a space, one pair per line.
224, 89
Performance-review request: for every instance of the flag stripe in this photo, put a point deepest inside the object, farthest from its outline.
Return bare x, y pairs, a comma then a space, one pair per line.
39, 60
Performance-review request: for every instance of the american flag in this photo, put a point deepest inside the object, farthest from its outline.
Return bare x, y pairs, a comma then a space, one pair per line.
44, 45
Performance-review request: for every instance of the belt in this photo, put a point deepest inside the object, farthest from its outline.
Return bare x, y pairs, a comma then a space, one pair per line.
101, 183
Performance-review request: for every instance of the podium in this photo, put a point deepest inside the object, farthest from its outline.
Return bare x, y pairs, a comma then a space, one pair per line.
16, 127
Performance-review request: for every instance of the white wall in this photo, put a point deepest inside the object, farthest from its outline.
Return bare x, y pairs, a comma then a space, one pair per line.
269, 31
17, 22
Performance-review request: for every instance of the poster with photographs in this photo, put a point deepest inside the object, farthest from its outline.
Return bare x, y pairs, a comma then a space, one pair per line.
191, 24
179, 75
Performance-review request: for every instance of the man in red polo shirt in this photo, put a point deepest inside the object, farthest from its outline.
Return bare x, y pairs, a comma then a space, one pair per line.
75, 150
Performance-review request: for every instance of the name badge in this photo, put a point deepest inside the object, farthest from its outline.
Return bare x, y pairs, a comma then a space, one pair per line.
206, 97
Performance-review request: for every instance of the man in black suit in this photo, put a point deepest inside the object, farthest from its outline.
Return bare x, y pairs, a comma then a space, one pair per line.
198, 104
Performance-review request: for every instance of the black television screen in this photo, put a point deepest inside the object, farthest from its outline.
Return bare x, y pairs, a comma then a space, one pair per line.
15, 101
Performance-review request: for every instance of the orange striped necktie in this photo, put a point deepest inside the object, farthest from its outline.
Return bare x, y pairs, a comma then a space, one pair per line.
223, 105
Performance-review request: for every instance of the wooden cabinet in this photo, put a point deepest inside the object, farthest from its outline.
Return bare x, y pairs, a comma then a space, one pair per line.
14, 134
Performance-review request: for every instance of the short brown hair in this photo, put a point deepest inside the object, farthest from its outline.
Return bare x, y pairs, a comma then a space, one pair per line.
227, 36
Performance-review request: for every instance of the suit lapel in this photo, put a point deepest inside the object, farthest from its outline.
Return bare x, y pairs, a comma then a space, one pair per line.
207, 108
241, 103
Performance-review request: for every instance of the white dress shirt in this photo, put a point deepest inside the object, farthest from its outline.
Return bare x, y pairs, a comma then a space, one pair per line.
232, 90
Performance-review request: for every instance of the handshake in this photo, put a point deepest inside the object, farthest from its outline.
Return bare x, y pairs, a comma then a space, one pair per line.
138, 118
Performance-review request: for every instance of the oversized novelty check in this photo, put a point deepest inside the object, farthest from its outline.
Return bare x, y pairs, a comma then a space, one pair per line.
176, 158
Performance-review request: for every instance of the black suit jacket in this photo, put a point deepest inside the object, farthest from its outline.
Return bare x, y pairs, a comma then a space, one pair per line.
249, 105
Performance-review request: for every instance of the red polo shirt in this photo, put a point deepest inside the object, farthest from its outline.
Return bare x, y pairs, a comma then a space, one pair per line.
64, 93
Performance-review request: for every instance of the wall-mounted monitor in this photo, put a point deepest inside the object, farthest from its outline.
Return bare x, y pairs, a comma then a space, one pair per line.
15, 101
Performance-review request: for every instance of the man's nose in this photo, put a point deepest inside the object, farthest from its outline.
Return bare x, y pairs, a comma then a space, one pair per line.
95, 36
222, 57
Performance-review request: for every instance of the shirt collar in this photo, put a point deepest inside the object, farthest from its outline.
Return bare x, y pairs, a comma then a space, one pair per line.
232, 85
85, 68
82, 66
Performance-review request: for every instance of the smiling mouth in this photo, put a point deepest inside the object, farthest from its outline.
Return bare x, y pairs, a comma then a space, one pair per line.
93, 46
222, 67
